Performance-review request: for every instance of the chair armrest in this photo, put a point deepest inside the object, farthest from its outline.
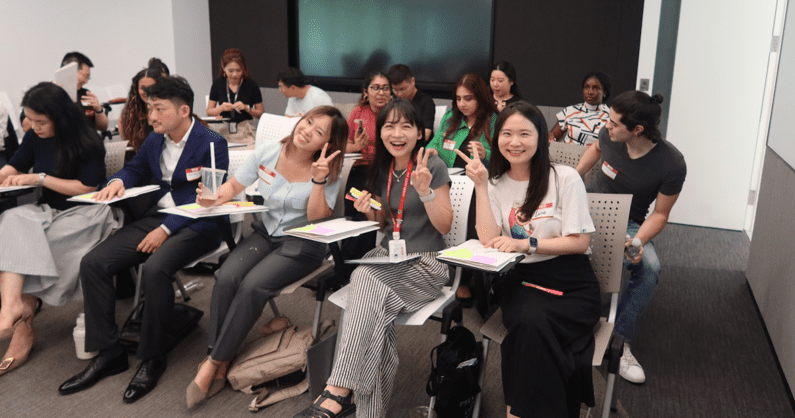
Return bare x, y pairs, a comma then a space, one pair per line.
614, 353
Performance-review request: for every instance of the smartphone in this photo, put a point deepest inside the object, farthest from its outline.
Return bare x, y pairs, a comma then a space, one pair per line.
361, 128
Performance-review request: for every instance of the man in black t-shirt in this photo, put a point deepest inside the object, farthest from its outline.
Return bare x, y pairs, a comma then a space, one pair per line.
636, 160
403, 86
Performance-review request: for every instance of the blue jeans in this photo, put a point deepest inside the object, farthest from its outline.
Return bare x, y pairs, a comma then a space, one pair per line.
639, 289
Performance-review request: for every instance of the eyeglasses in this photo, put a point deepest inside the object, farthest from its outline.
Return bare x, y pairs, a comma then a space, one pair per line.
384, 88
402, 90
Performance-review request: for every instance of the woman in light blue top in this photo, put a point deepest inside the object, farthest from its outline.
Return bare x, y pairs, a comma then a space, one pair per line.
299, 180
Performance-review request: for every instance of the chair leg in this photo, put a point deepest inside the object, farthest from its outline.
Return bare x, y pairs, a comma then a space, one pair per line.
481, 378
138, 274
614, 360
316, 320
275, 310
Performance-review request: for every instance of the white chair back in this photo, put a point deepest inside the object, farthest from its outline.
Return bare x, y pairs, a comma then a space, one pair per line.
437, 118
339, 205
570, 155
274, 127
609, 213
114, 156
460, 198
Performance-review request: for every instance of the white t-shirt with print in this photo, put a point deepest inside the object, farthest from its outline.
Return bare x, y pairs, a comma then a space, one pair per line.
562, 212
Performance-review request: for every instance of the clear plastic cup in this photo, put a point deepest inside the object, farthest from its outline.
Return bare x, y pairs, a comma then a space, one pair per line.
207, 182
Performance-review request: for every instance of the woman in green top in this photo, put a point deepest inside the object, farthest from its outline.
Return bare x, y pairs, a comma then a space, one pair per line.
470, 123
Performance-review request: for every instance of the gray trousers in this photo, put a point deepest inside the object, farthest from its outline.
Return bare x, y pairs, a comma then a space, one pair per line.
118, 253
256, 271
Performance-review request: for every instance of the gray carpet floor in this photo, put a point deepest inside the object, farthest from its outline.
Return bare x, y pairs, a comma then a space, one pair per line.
701, 343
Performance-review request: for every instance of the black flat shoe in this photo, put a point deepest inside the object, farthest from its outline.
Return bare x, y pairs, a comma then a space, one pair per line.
316, 411
145, 379
98, 369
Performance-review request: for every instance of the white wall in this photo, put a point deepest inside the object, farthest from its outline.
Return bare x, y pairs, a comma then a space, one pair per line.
192, 48
716, 101
647, 55
118, 36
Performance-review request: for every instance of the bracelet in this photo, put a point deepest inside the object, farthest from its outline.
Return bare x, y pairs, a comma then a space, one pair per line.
320, 182
100, 111
41, 178
428, 198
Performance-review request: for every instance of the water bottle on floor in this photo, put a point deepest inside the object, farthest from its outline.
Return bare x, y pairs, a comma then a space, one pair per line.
79, 335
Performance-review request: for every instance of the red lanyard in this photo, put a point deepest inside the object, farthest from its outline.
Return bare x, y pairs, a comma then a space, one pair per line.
396, 223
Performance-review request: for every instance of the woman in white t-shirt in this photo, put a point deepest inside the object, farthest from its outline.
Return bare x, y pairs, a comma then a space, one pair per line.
550, 301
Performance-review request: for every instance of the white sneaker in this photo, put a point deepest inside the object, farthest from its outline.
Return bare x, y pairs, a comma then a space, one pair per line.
629, 368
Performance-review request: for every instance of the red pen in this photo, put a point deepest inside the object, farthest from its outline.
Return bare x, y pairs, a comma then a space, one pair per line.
551, 291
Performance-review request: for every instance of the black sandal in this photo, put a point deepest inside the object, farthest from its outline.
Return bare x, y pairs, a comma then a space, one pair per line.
316, 411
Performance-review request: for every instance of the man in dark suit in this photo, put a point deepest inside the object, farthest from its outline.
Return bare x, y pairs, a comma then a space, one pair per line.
172, 157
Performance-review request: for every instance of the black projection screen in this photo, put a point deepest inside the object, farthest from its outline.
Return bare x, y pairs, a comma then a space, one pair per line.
348, 39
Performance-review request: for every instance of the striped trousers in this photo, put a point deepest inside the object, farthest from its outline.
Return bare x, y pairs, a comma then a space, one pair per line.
367, 357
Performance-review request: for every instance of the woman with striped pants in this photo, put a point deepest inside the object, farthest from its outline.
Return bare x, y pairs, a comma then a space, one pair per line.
413, 217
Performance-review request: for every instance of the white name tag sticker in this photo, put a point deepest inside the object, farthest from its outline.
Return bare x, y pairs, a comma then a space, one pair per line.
449, 145
193, 174
609, 171
266, 175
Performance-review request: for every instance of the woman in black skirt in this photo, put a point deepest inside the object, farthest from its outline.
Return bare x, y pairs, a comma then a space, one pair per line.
550, 302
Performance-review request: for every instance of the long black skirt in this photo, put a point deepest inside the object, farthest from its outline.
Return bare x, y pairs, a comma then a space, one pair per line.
544, 333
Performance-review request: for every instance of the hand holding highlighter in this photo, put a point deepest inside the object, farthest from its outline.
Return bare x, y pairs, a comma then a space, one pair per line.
355, 193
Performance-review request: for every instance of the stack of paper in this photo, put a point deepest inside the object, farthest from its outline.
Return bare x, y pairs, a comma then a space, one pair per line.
12, 188
472, 253
195, 211
333, 230
128, 193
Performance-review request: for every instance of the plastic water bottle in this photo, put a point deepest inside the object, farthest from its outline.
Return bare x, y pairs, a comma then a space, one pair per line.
190, 287
633, 249
79, 335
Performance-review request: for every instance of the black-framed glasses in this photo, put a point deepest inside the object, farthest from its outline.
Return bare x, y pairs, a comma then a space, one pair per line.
375, 87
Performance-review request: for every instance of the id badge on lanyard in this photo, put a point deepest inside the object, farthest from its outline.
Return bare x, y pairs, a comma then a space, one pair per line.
397, 246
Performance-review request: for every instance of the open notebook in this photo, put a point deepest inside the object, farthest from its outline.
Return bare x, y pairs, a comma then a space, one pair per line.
473, 254
333, 230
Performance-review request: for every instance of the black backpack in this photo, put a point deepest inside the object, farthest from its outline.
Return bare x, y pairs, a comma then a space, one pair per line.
454, 376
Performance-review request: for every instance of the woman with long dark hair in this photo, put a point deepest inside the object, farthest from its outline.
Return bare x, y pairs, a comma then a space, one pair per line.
43, 243
236, 96
469, 124
580, 124
299, 180
133, 123
503, 85
550, 301
367, 359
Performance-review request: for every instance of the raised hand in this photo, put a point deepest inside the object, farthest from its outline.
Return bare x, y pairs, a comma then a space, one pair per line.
475, 169
92, 101
320, 169
421, 177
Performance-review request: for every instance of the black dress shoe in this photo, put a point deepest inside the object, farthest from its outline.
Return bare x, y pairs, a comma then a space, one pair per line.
99, 368
145, 379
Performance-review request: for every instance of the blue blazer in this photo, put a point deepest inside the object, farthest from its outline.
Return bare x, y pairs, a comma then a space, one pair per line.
144, 169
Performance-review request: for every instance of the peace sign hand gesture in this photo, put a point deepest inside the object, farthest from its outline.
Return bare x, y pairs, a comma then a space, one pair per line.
320, 169
475, 169
421, 177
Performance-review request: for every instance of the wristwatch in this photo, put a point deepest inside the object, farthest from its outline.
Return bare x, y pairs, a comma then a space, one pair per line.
41, 178
533, 245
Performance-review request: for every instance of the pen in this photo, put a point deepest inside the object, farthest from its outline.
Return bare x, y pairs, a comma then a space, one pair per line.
551, 291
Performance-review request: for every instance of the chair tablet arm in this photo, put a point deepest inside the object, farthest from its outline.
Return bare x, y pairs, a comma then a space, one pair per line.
614, 353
